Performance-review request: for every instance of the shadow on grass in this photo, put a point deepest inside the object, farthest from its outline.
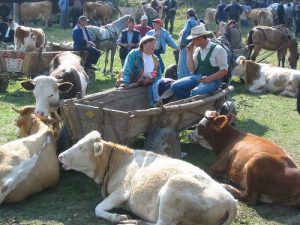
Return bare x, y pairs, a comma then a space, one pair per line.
251, 126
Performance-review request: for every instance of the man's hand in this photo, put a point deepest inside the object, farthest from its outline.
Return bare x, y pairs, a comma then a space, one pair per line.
205, 79
190, 47
123, 87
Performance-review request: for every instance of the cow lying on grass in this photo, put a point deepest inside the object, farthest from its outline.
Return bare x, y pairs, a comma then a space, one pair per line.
260, 77
158, 189
260, 169
28, 165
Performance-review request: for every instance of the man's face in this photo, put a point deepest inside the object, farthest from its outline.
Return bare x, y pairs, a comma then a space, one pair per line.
199, 41
156, 26
144, 22
130, 25
83, 23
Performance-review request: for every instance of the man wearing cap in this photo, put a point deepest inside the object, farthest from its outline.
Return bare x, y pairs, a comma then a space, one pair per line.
142, 68
208, 63
82, 42
143, 28
170, 11
128, 39
162, 39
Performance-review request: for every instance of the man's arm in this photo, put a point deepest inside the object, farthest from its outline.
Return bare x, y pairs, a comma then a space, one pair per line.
190, 61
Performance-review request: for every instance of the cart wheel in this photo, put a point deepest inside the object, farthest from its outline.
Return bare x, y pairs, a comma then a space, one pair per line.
163, 141
3, 84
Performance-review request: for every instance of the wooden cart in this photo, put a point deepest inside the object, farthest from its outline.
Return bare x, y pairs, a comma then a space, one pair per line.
19, 65
122, 115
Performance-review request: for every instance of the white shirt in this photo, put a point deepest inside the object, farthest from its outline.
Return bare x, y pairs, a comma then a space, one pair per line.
218, 57
84, 33
148, 64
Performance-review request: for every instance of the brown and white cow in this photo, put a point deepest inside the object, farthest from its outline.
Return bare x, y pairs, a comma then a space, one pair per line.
36, 10
158, 189
261, 170
29, 39
260, 77
67, 68
28, 165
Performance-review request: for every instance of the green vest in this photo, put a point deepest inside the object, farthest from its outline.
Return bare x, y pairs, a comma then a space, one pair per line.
204, 67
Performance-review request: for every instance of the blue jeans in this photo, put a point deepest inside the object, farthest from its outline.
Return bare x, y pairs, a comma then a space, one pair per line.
182, 68
64, 19
93, 56
190, 86
162, 65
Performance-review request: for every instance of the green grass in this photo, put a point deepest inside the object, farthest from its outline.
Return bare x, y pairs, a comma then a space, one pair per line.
73, 200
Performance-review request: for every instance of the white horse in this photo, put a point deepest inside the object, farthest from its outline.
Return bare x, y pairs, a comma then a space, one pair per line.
105, 38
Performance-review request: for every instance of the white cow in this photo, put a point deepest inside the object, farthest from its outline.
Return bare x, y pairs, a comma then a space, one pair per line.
28, 165
260, 77
158, 189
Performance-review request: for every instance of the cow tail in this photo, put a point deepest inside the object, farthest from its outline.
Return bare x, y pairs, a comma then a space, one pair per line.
298, 100
231, 213
250, 43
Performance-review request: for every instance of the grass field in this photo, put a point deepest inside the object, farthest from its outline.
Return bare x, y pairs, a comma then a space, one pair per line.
73, 200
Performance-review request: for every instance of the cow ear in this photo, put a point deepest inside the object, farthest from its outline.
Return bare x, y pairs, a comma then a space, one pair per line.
28, 85
65, 87
219, 122
98, 147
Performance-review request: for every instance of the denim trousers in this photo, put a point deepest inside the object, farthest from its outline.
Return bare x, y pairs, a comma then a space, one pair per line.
64, 23
162, 65
93, 56
182, 68
190, 86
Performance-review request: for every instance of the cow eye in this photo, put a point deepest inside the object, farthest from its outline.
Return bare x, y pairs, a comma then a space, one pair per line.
50, 95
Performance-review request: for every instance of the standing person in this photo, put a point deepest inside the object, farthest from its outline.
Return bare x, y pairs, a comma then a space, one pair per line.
128, 39
170, 12
233, 10
220, 15
3, 28
142, 68
64, 9
11, 27
208, 63
82, 42
280, 13
297, 19
143, 28
288, 15
76, 10
192, 21
162, 39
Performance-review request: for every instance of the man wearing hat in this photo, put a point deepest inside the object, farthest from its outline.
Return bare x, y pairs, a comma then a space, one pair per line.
128, 39
143, 28
208, 63
142, 68
82, 42
162, 39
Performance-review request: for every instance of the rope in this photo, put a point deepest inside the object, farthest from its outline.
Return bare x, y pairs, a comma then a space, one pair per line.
272, 52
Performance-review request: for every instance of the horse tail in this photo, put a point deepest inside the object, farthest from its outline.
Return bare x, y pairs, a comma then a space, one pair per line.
298, 100
250, 43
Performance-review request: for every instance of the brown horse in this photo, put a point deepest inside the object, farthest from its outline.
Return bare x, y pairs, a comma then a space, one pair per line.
273, 39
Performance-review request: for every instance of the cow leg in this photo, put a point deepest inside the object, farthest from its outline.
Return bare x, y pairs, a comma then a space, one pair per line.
115, 199
218, 169
257, 49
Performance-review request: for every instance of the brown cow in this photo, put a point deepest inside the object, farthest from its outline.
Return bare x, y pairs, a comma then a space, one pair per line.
261, 170
29, 39
100, 11
36, 10
28, 165
262, 17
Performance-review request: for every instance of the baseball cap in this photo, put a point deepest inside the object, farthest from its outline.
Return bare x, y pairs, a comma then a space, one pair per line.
144, 17
157, 20
83, 18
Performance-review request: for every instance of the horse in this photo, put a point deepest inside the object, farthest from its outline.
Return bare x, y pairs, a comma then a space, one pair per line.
273, 39
105, 38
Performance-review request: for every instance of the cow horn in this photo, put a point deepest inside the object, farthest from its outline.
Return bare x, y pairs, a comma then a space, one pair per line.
16, 110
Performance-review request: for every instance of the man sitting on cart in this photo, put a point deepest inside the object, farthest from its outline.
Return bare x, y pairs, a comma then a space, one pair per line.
208, 63
82, 42
142, 68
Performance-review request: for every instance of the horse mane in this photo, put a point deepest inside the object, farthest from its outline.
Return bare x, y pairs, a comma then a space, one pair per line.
118, 147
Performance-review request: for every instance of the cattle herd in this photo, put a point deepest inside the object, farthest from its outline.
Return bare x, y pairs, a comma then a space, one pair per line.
157, 189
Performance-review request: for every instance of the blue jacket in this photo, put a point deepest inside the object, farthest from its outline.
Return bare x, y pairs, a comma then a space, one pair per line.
79, 42
132, 68
220, 15
190, 23
165, 38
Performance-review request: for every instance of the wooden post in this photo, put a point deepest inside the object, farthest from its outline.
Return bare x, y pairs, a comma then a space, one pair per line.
16, 13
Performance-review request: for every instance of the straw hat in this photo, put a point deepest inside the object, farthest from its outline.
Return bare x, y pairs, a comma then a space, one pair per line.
198, 31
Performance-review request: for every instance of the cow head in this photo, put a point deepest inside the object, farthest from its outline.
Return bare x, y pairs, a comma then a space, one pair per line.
46, 92
212, 123
80, 157
240, 67
26, 121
